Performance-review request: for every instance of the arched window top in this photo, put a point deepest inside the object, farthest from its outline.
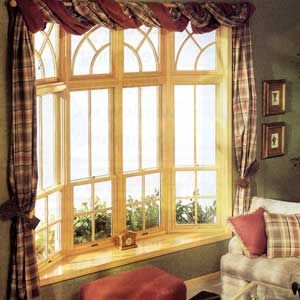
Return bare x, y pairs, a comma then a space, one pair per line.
141, 49
195, 52
46, 52
90, 53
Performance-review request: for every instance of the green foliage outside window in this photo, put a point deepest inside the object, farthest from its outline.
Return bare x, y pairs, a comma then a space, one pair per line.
83, 223
185, 213
134, 212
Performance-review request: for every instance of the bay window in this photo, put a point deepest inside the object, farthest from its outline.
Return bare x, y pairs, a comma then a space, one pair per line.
134, 132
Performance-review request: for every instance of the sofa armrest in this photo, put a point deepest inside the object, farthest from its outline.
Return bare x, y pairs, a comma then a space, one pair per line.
234, 246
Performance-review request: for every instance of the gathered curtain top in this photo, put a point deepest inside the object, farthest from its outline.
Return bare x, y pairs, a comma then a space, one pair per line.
78, 16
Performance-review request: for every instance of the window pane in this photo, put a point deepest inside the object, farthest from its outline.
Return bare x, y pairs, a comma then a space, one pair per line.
131, 61
141, 49
134, 217
103, 224
195, 51
184, 125
40, 244
185, 211
91, 52
207, 59
152, 207
82, 198
40, 212
206, 128
103, 195
46, 52
48, 140
54, 207
152, 186
39, 141
206, 211
207, 183
54, 239
79, 135
133, 189
149, 127
185, 184
152, 213
82, 229
100, 132
130, 129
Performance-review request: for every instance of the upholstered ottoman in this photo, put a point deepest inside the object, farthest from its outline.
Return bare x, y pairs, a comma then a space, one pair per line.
147, 283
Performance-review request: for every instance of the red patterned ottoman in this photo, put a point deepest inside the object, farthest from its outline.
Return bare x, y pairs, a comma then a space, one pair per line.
147, 283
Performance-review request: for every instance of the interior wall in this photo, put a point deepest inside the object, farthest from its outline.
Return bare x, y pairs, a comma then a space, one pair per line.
276, 31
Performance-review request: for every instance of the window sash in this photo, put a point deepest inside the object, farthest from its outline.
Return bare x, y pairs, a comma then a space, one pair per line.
166, 77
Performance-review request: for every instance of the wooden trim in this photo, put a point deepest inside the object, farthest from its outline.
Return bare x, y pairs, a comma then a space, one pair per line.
203, 278
96, 261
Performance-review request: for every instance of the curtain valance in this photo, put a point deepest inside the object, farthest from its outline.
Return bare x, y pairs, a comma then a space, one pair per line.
78, 16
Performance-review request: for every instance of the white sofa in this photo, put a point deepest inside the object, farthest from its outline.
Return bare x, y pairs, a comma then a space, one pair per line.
237, 270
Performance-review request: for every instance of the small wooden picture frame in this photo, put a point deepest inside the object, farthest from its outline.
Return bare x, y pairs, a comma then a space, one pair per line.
127, 240
274, 92
273, 140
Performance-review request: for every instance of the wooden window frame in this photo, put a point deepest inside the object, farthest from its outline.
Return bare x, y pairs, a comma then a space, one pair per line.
165, 78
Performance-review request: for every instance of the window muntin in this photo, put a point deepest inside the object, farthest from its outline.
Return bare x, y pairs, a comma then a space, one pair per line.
89, 133
195, 125
143, 202
48, 232
195, 148
92, 207
140, 128
46, 52
141, 49
46, 141
196, 197
195, 52
91, 52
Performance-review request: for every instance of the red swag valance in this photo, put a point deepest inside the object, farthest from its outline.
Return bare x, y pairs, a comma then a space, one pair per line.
78, 16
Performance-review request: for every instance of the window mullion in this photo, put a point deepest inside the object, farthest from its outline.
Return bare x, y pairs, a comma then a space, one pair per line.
140, 127
119, 201
90, 134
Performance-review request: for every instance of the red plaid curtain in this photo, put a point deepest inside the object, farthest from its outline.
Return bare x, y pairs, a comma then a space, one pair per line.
30, 17
24, 281
244, 115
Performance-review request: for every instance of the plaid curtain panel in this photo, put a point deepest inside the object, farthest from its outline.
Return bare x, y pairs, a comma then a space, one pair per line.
24, 280
244, 114
283, 233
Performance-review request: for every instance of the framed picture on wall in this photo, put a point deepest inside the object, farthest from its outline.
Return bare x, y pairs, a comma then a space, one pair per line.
273, 139
274, 97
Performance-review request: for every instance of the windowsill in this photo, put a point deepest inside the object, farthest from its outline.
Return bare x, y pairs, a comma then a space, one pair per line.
99, 260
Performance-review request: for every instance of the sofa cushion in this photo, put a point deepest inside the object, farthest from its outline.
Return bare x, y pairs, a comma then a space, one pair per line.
250, 229
275, 206
280, 271
283, 232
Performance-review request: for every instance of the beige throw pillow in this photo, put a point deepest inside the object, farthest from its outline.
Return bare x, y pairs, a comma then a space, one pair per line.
283, 235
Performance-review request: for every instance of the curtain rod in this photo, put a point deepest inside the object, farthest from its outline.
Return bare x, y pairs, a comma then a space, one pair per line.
13, 3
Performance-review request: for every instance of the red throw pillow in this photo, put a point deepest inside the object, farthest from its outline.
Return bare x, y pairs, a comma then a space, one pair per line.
251, 231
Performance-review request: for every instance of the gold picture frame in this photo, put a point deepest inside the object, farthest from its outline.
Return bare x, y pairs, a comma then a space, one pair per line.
273, 139
274, 94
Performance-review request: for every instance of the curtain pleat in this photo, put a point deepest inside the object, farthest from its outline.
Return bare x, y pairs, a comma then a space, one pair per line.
24, 280
244, 114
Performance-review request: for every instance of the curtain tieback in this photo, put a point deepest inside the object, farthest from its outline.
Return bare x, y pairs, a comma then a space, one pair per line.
9, 210
244, 181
